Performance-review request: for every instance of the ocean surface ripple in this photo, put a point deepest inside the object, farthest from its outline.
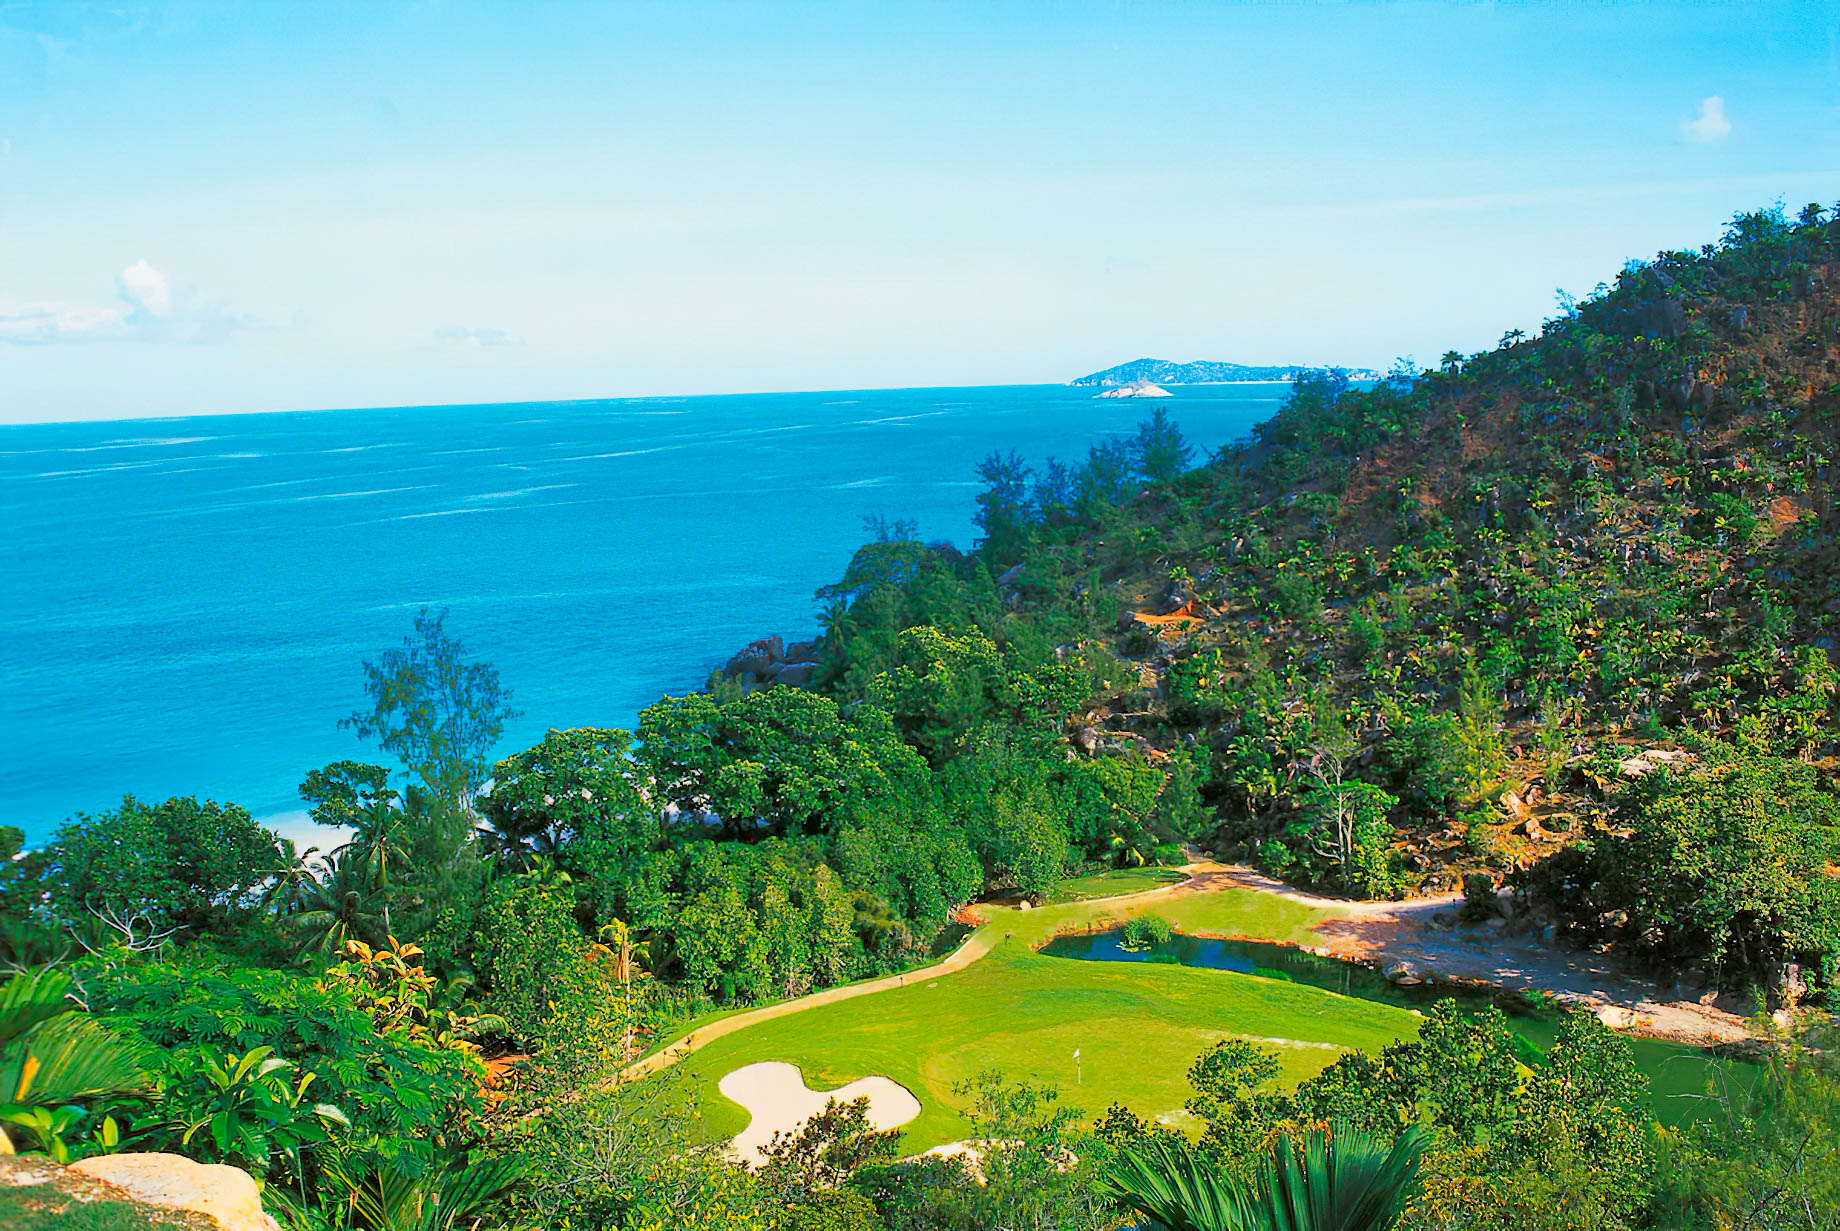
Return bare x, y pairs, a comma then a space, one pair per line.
186, 602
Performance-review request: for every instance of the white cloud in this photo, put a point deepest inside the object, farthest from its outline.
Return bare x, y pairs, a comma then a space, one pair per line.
1710, 125
484, 336
147, 289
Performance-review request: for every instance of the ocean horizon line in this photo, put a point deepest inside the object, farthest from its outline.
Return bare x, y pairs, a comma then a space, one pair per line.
184, 416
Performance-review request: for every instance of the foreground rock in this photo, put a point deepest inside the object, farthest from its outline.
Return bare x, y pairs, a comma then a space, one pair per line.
224, 1194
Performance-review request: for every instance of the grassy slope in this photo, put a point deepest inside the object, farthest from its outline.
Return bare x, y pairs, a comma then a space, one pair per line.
1138, 1027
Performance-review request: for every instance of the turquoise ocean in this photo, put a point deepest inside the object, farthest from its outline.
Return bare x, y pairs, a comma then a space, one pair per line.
184, 603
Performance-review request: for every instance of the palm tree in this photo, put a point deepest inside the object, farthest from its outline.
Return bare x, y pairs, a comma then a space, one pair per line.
53, 1054
1340, 1180
341, 905
379, 844
294, 876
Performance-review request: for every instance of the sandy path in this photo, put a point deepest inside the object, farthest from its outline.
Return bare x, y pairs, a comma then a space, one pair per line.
778, 1100
1484, 955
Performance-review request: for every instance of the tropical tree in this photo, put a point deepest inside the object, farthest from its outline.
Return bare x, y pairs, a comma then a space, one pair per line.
1162, 452
439, 713
1326, 1180
1003, 506
577, 785
182, 865
380, 848
293, 878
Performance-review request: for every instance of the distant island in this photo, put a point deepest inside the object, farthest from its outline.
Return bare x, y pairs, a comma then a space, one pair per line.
1203, 372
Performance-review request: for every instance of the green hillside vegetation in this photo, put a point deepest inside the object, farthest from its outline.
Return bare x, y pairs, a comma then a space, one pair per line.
1411, 619
1560, 614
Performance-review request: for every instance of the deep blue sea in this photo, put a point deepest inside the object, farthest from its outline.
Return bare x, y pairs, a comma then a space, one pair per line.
184, 603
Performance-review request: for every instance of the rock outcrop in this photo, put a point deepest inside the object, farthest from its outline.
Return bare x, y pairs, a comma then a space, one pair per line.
225, 1194
771, 661
1136, 389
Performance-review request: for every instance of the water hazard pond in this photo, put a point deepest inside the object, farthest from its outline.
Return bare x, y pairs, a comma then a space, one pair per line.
1677, 1073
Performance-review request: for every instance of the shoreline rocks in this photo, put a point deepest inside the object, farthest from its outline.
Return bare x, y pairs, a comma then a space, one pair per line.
771, 661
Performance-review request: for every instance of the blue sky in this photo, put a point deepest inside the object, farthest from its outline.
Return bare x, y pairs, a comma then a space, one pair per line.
212, 207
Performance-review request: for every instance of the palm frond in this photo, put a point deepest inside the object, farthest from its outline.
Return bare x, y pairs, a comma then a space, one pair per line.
1166, 1180
28, 999
380, 1197
72, 1058
1345, 1179
1327, 1180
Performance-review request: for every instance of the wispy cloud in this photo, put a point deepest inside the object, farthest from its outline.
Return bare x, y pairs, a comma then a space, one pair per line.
460, 335
151, 308
1710, 125
35, 324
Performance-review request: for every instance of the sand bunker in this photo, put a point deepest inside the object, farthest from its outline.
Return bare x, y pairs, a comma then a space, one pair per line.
778, 1100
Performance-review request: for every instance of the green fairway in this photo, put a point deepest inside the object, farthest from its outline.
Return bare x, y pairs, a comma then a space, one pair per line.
1238, 913
1138, 1027
1111, 884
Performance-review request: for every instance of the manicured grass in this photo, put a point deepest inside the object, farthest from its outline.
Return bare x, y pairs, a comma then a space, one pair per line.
1223, 912
1243, 914
1112, 883
1138, 1028
1239, 913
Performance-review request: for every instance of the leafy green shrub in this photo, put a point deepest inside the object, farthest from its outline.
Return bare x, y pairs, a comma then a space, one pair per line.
393, 1087
1728, 860
1144, 932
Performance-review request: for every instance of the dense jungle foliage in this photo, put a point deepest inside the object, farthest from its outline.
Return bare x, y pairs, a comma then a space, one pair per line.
1562, 614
